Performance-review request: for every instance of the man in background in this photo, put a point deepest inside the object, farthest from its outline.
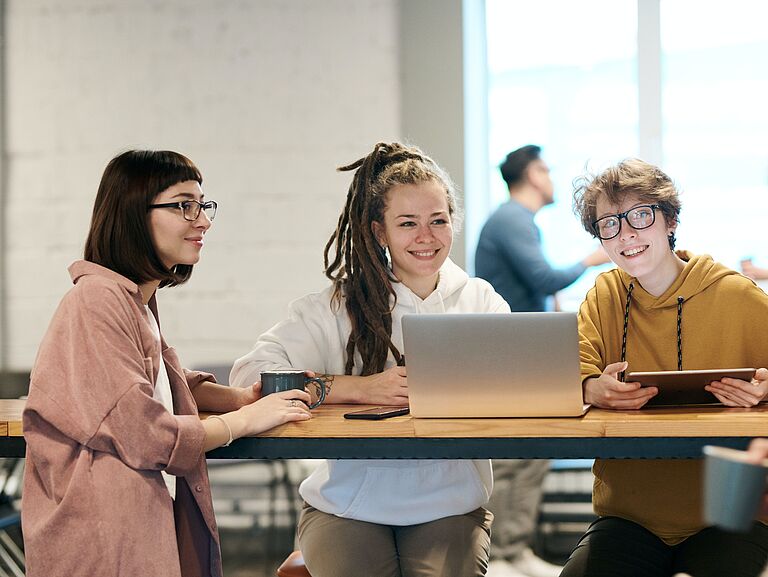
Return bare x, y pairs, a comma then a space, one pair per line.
509, 253
509, 256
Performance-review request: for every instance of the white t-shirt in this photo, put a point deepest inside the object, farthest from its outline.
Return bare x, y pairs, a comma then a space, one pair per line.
162, 394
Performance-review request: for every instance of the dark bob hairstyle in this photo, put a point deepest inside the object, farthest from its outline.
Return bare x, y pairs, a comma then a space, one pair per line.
119, 236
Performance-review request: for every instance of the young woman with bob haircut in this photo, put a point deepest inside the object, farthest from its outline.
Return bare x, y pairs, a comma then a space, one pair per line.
660, 310
387, 257
115, 480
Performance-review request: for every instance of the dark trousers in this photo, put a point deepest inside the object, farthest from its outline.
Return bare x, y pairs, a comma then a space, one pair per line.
614, 547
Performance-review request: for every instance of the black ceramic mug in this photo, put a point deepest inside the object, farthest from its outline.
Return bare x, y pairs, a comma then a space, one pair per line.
288, 379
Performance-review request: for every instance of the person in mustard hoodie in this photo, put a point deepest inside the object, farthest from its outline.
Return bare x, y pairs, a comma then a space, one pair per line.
660, 310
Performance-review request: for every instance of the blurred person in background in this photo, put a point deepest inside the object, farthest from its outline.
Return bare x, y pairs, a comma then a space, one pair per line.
749, 269
510, 256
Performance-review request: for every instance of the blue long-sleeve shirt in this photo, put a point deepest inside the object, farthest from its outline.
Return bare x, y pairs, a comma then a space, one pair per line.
509, 256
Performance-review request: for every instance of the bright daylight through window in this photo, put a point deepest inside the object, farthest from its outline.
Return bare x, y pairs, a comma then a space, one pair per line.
564, 75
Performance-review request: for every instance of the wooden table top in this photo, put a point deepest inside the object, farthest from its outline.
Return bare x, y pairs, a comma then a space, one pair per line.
329, 422
646, 434
10, 417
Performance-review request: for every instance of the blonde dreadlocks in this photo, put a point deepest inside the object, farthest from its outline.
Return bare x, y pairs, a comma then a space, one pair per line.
359, 268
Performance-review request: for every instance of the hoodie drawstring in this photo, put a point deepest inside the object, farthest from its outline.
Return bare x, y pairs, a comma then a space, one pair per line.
680, 300
624, 332
680, 333
417, 306
442, 301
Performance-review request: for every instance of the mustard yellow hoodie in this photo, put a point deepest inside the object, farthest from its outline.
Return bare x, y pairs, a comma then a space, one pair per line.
724, 322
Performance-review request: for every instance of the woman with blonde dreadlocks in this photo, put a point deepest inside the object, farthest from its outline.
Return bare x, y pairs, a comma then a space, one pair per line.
387, 257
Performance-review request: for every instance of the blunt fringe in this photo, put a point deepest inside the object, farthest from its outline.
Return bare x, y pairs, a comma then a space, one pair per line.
119, 237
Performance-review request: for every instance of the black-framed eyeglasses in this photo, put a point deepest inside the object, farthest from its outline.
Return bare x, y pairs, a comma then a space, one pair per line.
190, 209
639, 217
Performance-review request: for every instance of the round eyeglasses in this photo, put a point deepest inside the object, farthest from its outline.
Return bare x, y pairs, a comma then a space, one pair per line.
190, 209
639, 217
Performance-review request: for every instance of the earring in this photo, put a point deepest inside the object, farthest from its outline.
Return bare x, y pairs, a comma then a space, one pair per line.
672, 240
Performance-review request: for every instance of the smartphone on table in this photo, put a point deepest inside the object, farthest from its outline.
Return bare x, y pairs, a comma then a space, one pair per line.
377, 413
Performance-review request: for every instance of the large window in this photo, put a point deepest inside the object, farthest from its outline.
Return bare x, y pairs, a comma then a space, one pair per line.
564, 75
715, 123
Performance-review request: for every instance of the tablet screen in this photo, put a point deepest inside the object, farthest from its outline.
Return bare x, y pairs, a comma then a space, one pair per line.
686, 387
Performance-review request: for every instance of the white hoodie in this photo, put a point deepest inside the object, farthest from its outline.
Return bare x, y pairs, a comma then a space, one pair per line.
386, 491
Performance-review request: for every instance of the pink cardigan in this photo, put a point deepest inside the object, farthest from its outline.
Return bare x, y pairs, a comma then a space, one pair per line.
94, 501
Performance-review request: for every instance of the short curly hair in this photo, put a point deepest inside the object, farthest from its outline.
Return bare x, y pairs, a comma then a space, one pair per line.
630, 176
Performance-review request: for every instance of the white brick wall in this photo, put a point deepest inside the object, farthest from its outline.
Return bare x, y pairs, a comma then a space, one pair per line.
266, 96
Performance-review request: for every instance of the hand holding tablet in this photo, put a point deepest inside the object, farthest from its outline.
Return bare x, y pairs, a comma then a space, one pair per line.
738, 393
689, 387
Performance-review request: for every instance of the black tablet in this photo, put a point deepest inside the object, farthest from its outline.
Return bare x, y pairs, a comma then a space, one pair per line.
686, 387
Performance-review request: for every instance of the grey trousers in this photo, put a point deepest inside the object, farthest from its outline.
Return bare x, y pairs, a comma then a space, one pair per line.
454, 546
515, 504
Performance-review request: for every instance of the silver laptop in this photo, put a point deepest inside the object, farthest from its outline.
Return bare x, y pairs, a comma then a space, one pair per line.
493, 365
